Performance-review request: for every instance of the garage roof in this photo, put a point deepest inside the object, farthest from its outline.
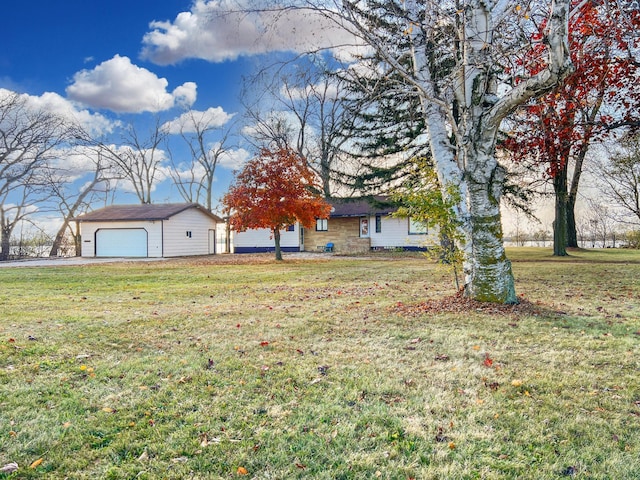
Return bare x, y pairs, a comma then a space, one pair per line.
160, 211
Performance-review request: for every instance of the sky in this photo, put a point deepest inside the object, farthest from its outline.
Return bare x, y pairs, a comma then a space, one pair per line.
114, 63
117, 62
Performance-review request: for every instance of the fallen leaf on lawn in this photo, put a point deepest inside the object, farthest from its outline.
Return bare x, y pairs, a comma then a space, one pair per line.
36, 463
66, 424
488, 361
301, 466
452, 445
441, 437
9, 468
242, 471
143, 457
264, 343
108, 410
516, 383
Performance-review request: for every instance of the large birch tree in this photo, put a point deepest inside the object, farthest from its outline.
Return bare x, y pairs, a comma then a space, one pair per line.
459, 52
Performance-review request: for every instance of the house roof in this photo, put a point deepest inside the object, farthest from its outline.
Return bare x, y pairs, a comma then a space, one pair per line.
148, 212
359, 206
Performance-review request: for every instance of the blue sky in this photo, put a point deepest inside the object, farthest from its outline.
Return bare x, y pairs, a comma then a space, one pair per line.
118, 62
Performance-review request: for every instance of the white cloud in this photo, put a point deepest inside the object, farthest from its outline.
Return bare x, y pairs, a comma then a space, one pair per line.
234, 159
219, 30
51, 102
188, 122
123, 87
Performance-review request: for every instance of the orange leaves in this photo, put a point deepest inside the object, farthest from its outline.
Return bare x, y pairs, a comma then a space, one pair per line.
274, 190
36, 463
488, 361
242, 471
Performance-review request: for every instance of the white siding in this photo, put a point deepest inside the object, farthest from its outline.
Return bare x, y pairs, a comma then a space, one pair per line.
154, 235
177, 243
261, 238
395, 233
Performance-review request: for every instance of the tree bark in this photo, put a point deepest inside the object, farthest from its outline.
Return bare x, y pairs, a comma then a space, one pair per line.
276, 239
5, 244
488, 273
560, 222
572, 228
57, 242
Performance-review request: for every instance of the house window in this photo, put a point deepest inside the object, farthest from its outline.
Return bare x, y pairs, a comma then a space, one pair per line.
417, 227
364, 227
291, 228
378, 223
322, 225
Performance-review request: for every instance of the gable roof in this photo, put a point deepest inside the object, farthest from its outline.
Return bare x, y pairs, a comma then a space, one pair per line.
359, 206
148, 212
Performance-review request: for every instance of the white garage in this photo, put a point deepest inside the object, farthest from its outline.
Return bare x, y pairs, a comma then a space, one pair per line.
156, 230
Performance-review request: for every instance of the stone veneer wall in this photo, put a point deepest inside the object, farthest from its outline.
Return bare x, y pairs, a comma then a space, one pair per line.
343, 232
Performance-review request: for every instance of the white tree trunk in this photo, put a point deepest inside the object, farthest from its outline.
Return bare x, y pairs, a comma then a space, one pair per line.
470, 162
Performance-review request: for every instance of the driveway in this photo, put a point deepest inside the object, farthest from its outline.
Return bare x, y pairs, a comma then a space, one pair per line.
225, 258
66, 261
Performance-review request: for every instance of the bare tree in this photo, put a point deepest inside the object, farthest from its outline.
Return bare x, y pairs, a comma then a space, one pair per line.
601, 222
619, 179
208, 142
139, 159
71, 199
28, 139
307, 115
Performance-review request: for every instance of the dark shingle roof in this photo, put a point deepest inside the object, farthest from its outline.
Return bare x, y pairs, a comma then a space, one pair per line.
356, 207
160, 211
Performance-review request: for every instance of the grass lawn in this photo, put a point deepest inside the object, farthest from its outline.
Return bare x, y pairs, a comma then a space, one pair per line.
331, 369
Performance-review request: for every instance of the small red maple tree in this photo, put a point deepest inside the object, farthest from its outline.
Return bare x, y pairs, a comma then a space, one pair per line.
274, 190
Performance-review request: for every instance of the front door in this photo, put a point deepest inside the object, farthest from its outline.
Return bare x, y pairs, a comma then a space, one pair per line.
212, 242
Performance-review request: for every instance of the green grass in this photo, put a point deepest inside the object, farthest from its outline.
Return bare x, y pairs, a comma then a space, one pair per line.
305, 369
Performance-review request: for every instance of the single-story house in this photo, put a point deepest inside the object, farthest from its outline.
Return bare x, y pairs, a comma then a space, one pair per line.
355, 225
151, 230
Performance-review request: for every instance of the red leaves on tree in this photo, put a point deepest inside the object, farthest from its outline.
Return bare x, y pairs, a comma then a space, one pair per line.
274, 190
604, 90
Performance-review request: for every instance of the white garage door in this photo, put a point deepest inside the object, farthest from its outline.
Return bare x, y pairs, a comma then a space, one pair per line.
121, 242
